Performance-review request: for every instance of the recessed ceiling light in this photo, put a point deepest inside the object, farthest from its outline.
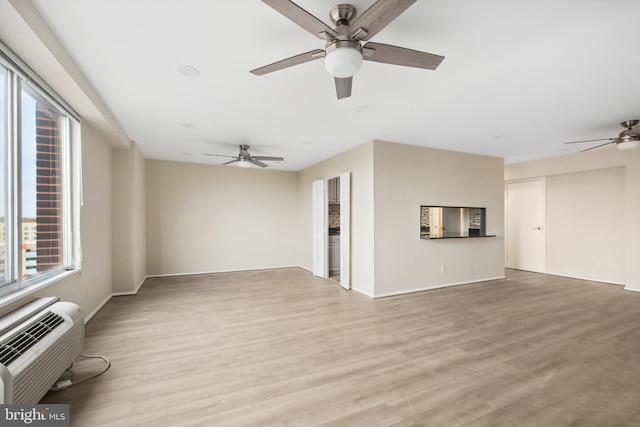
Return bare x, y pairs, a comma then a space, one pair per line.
186, 154
188, 126
361, 108
188, 70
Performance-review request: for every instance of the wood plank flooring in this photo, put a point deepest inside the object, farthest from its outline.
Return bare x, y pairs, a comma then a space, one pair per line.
281, 347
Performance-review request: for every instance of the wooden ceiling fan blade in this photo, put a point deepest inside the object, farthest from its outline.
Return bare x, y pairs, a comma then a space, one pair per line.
592, 140
597, 146
301, 17
218, 155
343, 87
388, 54
268, 158
378, 16
289, 62
258, 162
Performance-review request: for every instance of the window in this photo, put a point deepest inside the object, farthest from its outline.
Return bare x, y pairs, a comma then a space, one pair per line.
38, 207
3, 171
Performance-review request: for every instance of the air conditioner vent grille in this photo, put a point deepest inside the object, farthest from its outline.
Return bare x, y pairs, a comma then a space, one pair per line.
17, 344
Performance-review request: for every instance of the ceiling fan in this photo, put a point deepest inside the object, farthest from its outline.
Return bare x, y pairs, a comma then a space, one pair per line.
245, 160
344, 52
627, 139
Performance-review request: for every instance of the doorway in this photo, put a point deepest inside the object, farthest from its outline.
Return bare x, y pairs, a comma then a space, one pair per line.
525, 228
332, 229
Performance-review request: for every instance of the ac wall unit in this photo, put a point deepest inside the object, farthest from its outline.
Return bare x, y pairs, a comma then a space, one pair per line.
38, 342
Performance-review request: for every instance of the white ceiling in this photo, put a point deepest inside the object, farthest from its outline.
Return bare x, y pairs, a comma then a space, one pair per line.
518, 79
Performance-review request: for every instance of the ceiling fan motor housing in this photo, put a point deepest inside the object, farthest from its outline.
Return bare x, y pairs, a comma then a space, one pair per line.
343, 56
342, 15
629, 134
628, 138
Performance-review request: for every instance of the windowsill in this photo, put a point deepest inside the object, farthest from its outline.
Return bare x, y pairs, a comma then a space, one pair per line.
455, 237
14, 296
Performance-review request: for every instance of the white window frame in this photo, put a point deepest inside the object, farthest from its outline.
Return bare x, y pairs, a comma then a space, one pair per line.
15, 286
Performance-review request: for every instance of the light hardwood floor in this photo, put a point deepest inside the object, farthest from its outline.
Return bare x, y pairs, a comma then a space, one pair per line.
281, 347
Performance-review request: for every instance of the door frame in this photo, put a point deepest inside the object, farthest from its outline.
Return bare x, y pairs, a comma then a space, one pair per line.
320, 220
320, 230
542, 225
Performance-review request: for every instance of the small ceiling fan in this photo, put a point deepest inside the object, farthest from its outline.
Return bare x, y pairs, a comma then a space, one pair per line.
344, 53
245, 160
627, 139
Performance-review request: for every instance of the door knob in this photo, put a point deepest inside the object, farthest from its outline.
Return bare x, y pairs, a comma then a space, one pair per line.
537, 228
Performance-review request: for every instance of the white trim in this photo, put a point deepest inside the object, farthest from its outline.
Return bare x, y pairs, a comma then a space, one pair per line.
345, 230
222, 271
124, 294
319, 219
446, 285
97, 309
362, 292
134, 292
627, 288
115, 294
607, 282
16, 295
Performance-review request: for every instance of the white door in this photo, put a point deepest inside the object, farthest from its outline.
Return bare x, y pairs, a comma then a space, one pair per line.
525, 225
320, 264
345, 230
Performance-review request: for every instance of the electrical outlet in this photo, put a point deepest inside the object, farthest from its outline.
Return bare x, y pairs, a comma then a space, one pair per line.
443, 268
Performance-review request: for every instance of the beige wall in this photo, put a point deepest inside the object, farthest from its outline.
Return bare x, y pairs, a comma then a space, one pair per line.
389, 182
92, 286
600, 171
359, 162
407, 177
585, 224
204, 218
129, 217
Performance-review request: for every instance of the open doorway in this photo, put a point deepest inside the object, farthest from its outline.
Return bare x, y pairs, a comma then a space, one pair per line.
332, 229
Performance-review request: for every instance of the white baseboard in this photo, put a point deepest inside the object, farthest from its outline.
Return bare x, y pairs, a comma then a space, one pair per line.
585, 278
97, 309
134, 292
446, 285
114, 294
628, 288
221, 271
362, 292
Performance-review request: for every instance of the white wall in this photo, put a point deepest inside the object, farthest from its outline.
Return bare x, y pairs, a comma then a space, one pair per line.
205, 218
358, 161
407, 177
571, 175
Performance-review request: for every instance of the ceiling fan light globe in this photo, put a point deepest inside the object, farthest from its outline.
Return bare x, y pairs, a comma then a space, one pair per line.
343, 62
244, 164
629, 144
